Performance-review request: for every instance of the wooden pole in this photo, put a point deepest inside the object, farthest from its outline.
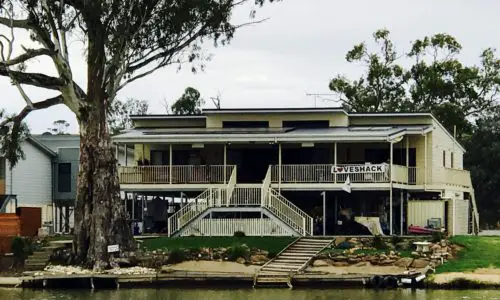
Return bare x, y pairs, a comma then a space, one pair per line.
335, 161
390, 190
170, 163
225, 162
425, 159
401, 213
279, 167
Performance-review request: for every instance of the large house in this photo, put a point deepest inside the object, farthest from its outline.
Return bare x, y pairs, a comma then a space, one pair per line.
295, 171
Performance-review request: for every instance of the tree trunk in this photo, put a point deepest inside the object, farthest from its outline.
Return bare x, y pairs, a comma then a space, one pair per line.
100, 217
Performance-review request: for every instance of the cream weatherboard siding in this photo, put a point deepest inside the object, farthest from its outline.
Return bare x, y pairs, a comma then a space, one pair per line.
31, 180
458, 217
444, 143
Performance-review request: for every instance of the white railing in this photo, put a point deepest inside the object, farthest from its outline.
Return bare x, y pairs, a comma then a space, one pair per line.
399, 174
227, 227
180, 174
323, 174
416, 176
230, 186
266, 185
192, 210
290, 214
243, 196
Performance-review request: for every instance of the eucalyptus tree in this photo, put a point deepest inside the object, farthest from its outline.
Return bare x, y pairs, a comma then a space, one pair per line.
125, 40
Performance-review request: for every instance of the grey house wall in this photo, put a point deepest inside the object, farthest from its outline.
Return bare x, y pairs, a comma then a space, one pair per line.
66, 156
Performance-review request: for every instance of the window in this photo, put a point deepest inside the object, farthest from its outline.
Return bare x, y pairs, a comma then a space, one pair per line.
444, 158
307, 124
64, 178
245, 124
452, 160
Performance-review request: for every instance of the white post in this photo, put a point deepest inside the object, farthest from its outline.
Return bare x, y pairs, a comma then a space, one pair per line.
170, 163
335, 161
225, 162
401, 213
408, 159
116, 152
303, 226
125, 153
425, 159
390, 191
324, 212
279, 167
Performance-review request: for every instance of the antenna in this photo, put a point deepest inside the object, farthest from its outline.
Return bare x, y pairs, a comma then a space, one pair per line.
319, 95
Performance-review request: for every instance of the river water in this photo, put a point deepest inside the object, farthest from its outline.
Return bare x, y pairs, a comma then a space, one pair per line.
236, 294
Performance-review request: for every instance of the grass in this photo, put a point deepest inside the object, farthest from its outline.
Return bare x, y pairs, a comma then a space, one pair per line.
478, 252
271, 244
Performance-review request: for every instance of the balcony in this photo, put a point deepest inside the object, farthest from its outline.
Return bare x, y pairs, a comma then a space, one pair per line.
357, 173
177, 174
456, 177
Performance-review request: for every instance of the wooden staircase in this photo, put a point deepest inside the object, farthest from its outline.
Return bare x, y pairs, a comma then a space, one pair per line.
293, 259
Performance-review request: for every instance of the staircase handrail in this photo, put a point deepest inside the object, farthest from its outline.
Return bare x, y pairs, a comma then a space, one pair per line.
266, 185
231, 184
190, 211
289, 213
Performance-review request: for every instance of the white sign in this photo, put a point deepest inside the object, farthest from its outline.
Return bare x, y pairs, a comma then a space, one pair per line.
349, 169
113, 248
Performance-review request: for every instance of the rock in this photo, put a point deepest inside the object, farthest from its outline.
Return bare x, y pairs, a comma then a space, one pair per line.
240, 260
320, 263
339, 240
444, 243
387, 262
435, 247
340, 258
392, 253
404, 262
419, 263
405, 245
353, 260
340, 264
415, 254
258, 259
125, 262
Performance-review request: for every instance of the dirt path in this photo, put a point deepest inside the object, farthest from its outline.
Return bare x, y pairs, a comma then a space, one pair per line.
364, 269
214, 266
490, 276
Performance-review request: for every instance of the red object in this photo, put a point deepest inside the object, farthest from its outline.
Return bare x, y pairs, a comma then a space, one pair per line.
421, 230
31, 220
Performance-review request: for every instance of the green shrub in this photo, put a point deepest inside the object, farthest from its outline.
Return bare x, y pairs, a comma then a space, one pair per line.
396, 239
236, 251
378, 243
176, 256
239, 234
18, 247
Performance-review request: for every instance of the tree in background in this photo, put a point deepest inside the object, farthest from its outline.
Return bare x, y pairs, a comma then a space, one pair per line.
59, 127
482, 159
11, 137
435, 81
120, 112
189, 103
125, 40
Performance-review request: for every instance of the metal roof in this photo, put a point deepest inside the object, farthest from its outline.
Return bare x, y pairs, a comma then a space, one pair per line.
225, 135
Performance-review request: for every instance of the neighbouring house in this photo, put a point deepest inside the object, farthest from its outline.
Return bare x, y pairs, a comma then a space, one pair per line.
46, 178
294, 171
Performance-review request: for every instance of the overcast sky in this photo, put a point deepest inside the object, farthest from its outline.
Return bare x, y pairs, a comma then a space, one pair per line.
297, 51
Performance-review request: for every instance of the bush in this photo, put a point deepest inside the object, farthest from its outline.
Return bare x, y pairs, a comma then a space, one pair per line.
176, 256
378, 243
234, 252
239, 234
395, 239
17, 247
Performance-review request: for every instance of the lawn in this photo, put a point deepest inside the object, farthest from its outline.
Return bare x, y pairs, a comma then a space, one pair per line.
271, 244
478, 252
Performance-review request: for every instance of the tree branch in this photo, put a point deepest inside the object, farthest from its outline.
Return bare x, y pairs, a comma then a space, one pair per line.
34, 79
30, 53
24, 24
36, 106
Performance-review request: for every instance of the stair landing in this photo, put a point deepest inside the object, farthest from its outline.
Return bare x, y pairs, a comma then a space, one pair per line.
279, 271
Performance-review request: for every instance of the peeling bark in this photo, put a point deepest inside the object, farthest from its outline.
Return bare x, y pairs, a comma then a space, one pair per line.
100, 217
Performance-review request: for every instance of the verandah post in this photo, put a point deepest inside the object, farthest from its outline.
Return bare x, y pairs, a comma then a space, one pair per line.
170, 163
390, 187
279, 168
335, 161
225, 163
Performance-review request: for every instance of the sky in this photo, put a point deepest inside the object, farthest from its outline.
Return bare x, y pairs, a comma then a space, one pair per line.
295, 52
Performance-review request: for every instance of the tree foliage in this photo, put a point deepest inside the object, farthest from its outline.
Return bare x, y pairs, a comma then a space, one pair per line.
120, 112
189, 103
482, 159
11, 138
435, 81
59, 127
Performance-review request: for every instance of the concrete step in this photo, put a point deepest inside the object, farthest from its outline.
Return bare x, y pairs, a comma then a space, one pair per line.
287, 266
275, 279
36, 261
